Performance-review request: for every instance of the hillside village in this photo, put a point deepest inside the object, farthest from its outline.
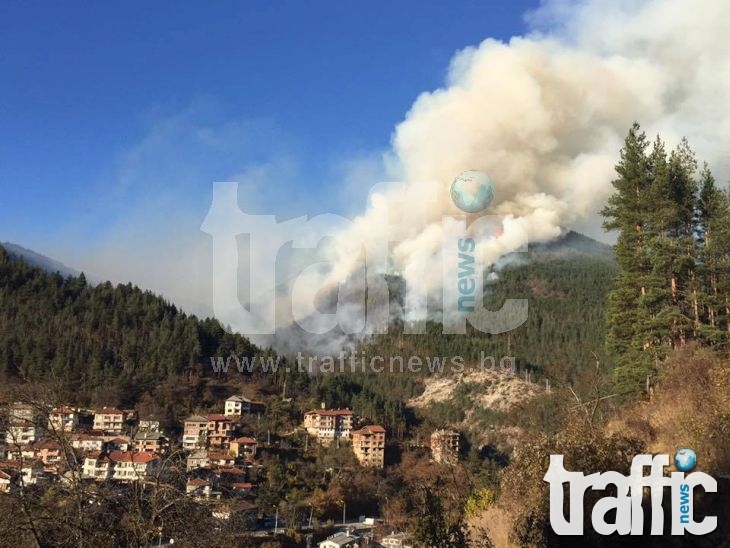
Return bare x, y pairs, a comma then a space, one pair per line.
43, 445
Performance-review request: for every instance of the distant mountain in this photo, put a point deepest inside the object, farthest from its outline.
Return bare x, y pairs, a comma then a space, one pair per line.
36, 259
573, 244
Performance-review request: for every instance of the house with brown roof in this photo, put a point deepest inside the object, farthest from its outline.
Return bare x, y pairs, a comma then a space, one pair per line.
221, 458
244, 448
48, 451
118, 444
240, 512
242, 488
28, 471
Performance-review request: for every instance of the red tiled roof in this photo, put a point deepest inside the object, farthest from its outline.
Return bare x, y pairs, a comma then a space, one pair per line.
196, 418
244, 440
216, 455
119, 440
242, 485
198, 482
371, 429
46, 444
231, 470
131, 456
218, 417
108, 411
65, 410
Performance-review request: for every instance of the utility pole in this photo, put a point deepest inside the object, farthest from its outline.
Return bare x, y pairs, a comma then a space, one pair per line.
276, 520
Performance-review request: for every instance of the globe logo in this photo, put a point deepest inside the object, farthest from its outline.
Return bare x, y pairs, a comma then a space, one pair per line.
472, 191
685, 460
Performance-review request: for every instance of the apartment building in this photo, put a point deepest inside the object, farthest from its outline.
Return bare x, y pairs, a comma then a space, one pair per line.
368, 443
125, 466
329, 424
195, 432
150, 442
109, 420
219, 430
24, 424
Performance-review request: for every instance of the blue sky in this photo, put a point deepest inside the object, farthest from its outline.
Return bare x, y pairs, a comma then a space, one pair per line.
114, 114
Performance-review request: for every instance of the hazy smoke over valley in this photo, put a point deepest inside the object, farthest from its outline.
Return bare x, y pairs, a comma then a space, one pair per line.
545, 116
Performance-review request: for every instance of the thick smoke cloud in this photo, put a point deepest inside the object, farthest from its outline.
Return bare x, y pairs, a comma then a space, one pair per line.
545, 115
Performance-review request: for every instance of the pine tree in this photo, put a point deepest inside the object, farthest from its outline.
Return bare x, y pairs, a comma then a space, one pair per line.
713, 235
673, 250
628, 211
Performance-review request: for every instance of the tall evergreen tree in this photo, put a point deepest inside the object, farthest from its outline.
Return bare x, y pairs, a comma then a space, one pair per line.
713, 235
628, 211
673, 249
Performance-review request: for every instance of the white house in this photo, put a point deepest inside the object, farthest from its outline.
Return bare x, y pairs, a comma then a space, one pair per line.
340, 540
87, 442
126, 466
109, 420
6, 481
63, 419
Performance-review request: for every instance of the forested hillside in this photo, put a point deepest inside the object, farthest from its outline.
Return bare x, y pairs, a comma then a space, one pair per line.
115, 343
566, 283
116, 339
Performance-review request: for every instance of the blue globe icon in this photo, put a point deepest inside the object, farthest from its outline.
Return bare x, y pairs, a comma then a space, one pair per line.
472, 191
685, 460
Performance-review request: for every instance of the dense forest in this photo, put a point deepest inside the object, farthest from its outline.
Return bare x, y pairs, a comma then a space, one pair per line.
566, 285
673, 250
113, 344
117, 339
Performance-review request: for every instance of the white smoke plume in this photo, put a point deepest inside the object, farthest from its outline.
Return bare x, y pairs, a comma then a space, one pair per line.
545, 116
